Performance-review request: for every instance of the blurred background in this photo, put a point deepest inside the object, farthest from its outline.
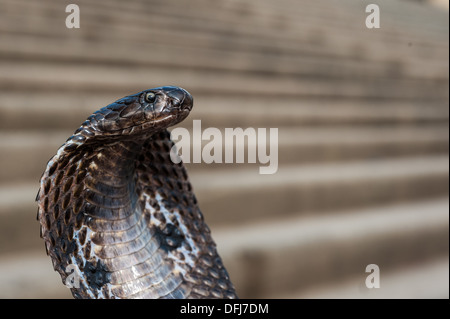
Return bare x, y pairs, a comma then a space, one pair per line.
363, 119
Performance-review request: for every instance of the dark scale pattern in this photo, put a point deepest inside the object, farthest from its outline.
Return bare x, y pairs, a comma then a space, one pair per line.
169, 238
113, 206
96, 275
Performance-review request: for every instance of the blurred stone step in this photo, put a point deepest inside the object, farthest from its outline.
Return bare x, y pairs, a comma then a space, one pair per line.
440, 4
66, 110
25, 154
28, 47
293, 190
317, 188
30, 275
308, 112
338, 144
399, 16
407, 12
420, 280
133, 24
296, 255
73, 77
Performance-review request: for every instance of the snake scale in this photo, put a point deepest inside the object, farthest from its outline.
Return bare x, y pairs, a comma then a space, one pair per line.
119, 217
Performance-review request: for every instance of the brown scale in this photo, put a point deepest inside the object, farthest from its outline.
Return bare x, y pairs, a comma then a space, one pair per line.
113, 204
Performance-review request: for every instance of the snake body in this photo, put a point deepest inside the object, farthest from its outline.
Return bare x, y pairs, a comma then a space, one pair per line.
119, 218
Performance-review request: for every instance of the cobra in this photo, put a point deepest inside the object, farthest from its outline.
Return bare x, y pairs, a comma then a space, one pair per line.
116, 211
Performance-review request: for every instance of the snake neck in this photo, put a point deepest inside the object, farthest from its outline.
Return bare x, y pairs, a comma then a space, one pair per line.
111, 178
128, 219
114, 162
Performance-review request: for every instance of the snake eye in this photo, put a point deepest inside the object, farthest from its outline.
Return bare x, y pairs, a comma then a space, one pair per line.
150, 97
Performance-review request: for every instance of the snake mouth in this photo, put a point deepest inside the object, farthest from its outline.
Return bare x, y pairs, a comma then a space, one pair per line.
150, 127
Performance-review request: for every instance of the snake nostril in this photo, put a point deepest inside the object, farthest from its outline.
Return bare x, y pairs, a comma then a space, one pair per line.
175, 102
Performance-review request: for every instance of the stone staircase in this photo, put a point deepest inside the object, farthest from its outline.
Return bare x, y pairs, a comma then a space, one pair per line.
363, 121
